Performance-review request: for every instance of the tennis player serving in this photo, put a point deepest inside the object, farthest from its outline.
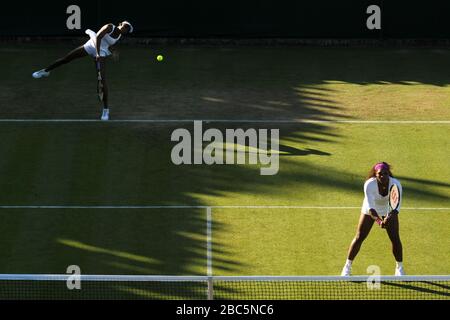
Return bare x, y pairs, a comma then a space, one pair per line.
382, 202
98, 47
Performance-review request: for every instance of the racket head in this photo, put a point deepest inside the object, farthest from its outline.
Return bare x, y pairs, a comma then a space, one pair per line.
394, 197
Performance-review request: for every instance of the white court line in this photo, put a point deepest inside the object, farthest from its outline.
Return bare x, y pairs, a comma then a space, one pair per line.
206, 207
209, 241
269, 121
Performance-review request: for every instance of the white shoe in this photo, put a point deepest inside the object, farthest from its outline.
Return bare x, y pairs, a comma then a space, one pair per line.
105, 114
399, 271
40, 74
346, 271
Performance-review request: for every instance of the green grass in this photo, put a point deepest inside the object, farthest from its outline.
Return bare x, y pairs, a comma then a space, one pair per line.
313, 242
69, 165
232, 83
129, 163
104, 241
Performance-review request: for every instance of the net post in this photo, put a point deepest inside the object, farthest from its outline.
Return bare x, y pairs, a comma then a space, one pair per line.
210, 288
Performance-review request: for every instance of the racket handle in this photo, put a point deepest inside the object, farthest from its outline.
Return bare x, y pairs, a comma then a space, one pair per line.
98, 69
379, 221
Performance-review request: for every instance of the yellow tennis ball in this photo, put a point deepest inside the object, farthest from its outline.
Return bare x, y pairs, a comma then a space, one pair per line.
159, 58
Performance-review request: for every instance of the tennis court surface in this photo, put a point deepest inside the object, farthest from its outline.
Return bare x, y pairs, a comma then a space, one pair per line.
107, 197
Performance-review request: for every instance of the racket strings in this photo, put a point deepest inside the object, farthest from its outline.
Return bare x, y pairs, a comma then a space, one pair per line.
394, 197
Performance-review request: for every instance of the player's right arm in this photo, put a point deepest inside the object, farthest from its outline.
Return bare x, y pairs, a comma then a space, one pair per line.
107, 28
374, 214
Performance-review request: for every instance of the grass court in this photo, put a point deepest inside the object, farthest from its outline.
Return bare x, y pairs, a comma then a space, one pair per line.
305, 216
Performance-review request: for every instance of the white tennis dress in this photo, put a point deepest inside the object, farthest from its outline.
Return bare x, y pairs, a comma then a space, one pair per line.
373, 199
107, 41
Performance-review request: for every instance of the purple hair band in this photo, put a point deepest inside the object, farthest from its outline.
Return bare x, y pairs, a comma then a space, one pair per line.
380, 166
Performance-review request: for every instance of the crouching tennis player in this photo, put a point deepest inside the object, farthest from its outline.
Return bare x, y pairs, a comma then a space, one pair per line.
98, 47
375, 206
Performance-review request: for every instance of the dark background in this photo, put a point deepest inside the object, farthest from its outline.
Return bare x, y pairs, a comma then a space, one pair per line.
401, 19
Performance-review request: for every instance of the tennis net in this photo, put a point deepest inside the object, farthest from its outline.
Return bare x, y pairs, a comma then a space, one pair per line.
107, 287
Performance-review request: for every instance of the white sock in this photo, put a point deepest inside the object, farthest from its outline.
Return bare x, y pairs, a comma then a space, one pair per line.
399, 264
348, 263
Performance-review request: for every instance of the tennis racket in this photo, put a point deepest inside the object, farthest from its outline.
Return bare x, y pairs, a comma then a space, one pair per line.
99, 81
93, 37
394, 199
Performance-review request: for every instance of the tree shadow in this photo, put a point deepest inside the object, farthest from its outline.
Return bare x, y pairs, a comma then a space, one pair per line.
291, 151
422, 287
425, 182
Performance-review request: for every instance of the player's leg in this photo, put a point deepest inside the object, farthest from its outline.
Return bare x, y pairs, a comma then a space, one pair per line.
392, 229
74, 54
364, 226
105, 100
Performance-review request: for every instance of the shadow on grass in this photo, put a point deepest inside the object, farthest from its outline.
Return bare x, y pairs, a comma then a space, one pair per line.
290, 151
426, 182
129, 164
419, 289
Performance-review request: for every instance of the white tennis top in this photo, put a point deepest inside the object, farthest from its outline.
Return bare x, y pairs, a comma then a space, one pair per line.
373, 199
107, 41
